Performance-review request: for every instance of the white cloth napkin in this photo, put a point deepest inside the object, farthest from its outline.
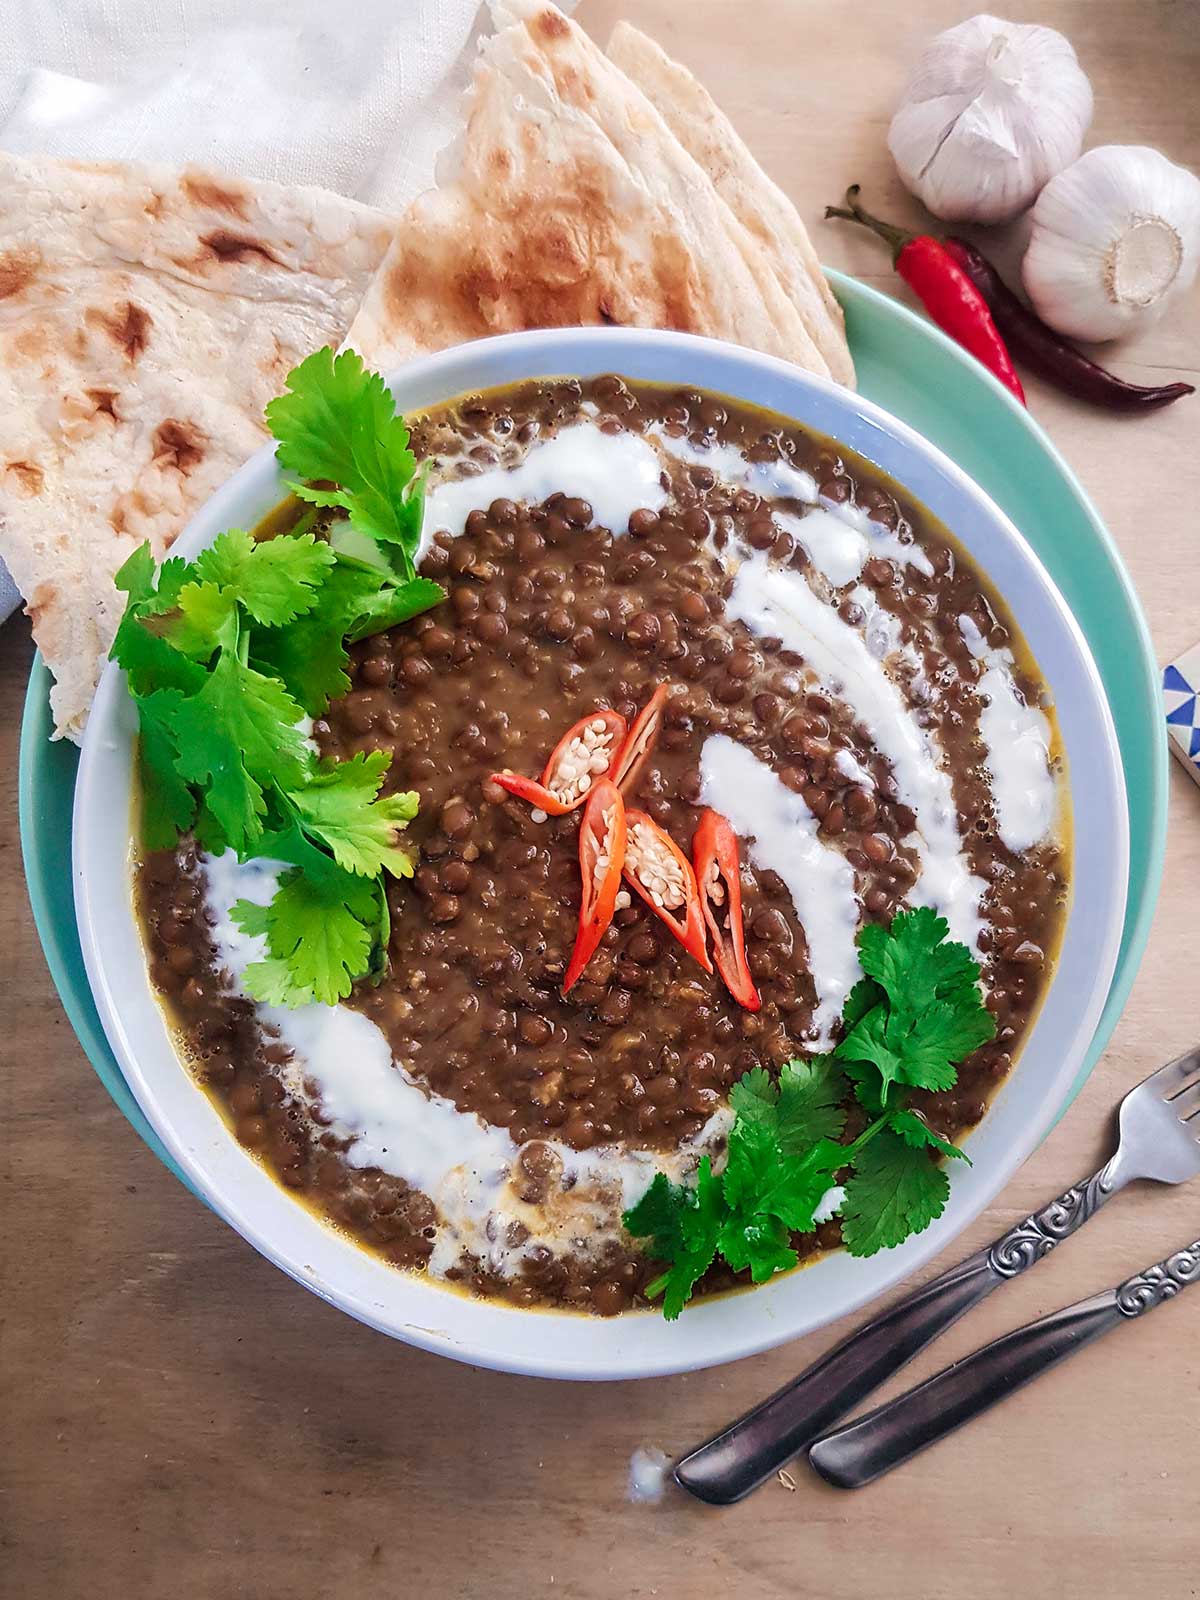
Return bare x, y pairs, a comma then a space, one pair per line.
358, 97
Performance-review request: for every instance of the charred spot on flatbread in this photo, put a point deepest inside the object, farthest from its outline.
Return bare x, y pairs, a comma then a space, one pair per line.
180, 446
17, 268
104, 402
27, 478
207, 191
225, 246
553, 25
43, 598
128, 326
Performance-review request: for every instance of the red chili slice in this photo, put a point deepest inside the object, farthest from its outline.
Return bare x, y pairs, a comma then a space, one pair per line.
643, 736
601, 857
661, 873
531, 791
586, 753
715, 853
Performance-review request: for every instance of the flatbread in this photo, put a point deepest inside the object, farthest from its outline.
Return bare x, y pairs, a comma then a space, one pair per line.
709, 137
146, 317
569, 201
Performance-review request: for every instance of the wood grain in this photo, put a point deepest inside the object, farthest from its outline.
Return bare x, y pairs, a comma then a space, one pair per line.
179, 1419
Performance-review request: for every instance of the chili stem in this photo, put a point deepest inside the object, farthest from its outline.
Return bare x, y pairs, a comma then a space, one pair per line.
897, 238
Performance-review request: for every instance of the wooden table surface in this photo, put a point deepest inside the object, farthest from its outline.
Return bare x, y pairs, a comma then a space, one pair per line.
178, 1419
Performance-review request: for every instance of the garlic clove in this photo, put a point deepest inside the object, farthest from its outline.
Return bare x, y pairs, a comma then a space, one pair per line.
992, 110
1115, 238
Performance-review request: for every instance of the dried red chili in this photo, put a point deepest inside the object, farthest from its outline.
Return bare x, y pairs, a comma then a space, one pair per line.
643, 736
715, 856
602, 835
586, 753
660, 872
944, 289
1048, 353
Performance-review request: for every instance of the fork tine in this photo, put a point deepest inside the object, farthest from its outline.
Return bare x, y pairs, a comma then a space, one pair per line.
1186, 1105
1177, 1075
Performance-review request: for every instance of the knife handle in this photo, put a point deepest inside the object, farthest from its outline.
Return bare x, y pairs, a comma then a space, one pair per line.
894, 1432
864, 1450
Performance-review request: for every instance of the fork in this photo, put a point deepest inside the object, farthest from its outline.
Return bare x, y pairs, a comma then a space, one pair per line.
1157, 1143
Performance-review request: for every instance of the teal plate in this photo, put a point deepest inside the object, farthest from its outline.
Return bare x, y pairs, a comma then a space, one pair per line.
911, 369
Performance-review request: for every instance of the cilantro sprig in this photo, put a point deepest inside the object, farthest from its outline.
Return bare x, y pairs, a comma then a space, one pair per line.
226, 656
915, 1014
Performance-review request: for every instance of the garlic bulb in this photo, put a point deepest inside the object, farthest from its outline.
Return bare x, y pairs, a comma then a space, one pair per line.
1115, 238
992, 110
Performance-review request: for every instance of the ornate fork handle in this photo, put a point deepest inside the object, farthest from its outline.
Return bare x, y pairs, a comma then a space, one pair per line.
727, 1467
894, 1432
1034, 1238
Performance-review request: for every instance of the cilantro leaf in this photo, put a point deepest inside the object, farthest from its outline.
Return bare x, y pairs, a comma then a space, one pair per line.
322, 932
759, 1243
338, 805
309, 658
877, 1038
242, 710
356, 601
754, 1159
918, 1135
863, 997
683, 1226
152, 663
172, 576
919, 1051
656, 1216
894, 1192
395, 603
810, 1102
250, 917
273, 982
233, 737
761, 1183
915, 963
168, 805
949, 1031
927, 1014
337, 423
203, 619
869, 1088
755, 1098
135, 576
277, 580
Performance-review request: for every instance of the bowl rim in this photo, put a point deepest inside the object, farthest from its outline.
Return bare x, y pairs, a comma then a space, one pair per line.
712, 1335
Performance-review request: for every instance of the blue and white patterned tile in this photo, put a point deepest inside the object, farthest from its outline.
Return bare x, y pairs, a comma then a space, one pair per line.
1181, 702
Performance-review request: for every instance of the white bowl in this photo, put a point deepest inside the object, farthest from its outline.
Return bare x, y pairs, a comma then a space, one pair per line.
638, 1344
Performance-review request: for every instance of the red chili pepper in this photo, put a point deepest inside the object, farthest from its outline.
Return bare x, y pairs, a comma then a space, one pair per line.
643, 736
601, 859
943, 288
660, 872
715, 854
586, 753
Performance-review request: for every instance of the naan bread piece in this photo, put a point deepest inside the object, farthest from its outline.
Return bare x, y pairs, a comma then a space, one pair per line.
709, 137
569, 201
147, 316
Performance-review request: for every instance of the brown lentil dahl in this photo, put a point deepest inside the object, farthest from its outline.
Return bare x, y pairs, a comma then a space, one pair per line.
547, 618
